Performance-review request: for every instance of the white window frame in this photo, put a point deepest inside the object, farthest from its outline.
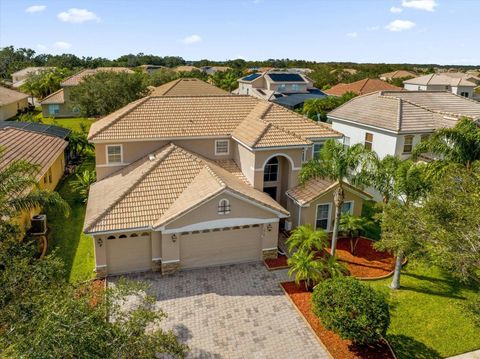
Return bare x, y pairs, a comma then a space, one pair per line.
56, 108
346, 141
411, 137
329, 219
369, 142
304, 154
352, 203
227, 206
121, 154
222, 153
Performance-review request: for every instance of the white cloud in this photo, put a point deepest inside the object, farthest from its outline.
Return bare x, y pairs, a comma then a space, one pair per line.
41, 47
427, 5
192, 39
373, 28
35, 8
400, 25
77, 16
62, 45
396, 10
352, 34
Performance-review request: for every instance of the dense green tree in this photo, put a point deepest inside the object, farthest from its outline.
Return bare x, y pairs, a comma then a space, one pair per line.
82, 183
161, 76
227, 80
105, 92
337, 163
45, 82
351, 309
317, 109
380, 173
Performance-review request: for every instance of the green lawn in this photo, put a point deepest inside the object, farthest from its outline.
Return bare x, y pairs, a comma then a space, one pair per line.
428, 315
66, 237
73, 123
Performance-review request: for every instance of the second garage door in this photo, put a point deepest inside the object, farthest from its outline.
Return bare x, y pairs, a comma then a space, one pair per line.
220, 247
129, 254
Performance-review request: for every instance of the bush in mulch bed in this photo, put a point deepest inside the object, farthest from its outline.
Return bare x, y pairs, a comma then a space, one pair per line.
367, 261
338, 347
278, 263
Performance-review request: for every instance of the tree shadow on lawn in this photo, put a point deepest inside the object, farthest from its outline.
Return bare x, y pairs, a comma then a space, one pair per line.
443, 287
409, 348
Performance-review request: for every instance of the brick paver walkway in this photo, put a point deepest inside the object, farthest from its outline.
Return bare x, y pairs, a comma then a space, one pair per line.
236, 311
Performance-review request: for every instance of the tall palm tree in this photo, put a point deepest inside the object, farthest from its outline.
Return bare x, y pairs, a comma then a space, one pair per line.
337, 163
19, 192
459, 145
380, 173
306, 238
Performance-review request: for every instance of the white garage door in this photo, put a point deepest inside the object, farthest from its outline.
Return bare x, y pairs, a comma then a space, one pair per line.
130, 254
220, 247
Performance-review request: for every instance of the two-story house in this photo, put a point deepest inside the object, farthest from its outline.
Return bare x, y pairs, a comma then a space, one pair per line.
192, 181
442, 82
58, 104
288, 89
393, 122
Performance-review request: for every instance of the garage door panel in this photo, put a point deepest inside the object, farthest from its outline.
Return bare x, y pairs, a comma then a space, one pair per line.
131, 254
220, 247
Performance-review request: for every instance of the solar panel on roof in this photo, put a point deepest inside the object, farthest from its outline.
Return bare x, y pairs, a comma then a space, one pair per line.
37, 127
286, 77
251, 77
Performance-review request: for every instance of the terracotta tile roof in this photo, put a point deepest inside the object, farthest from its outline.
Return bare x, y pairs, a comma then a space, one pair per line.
54, 98
212, 116
159, 188
407, 111
8, 96
317, 187
36, 148
440, 80
361, 87
187, 87
78, 77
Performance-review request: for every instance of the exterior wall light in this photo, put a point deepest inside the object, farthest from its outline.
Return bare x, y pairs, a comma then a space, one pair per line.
174, 238
269, 227
100, 242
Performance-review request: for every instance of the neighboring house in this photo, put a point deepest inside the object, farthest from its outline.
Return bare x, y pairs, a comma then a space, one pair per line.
149, 69
393, 122
19, 77
314, 203
194, 181
41, 145
11, 102
472, 76
58, 103
399, 74
188, 87
185, 68
441, 82
288, 89
361, 87
210, 70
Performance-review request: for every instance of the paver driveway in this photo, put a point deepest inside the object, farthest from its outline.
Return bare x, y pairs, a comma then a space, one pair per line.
236, 311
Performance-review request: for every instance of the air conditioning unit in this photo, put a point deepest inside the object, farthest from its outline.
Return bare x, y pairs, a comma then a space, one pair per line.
288, 225
38, 224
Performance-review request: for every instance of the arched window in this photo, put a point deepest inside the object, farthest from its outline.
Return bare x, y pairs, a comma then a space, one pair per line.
134, 235
224, 206
111, 237
122, 236
270, 173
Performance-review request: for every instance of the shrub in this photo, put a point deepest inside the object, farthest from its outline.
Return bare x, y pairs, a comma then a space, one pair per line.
351, 309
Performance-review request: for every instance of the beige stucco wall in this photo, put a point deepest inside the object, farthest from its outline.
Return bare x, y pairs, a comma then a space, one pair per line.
56, 170
10, 110
307, 215
245, 160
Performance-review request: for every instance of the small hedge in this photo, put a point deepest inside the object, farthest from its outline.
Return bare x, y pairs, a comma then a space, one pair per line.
351, 309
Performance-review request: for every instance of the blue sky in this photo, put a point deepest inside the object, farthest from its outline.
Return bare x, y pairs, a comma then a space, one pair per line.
412, 31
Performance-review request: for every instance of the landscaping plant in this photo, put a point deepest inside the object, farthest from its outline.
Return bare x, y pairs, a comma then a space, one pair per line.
351, 309
353, 226
305, 267
306, 238
82, 183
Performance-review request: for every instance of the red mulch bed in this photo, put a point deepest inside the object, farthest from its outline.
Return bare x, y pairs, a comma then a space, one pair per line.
367, 261
278, 263
338, 347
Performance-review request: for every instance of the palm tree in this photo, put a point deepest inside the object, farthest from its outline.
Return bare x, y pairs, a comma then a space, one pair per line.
459, 145
305, 266
79, 144
333, 268
379, 173
19, 192
337, 163
352, 226
306, 238
82, 183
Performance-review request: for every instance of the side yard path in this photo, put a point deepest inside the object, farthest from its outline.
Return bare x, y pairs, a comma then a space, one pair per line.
236, 311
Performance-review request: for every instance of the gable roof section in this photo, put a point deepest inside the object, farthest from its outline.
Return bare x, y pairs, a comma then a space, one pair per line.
207, 116
439, 80
37, 148
188, 87
407, 111
8, 96
398, 74
79, 76
54, 98
361, 87
157, 189
317, 187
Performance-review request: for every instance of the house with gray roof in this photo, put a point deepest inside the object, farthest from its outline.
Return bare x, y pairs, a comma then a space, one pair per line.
393, 122
458, 85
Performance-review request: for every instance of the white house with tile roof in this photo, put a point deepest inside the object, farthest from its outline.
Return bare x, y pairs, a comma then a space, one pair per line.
441, 82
